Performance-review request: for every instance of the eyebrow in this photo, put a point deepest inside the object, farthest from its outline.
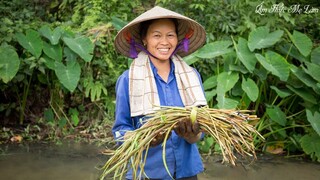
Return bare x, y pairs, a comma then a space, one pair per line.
157, 31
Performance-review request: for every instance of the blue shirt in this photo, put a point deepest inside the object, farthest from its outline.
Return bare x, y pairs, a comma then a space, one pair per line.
182, 158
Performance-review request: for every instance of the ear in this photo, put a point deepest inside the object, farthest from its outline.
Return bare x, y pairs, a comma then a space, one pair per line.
144, 42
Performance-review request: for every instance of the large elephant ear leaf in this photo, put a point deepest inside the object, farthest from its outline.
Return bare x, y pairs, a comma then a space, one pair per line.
214, 49
226, 103
53, 51
9, 63
310, 144
277, 115
315, 56
302, 42
313, 118
250, 88
69, 74
32, 42
262, 38
81, 46
247, 58
276, 64
52, 36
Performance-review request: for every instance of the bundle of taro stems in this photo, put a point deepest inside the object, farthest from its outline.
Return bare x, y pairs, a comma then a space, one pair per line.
230, 129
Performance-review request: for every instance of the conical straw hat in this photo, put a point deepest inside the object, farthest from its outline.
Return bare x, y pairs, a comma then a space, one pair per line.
184, 24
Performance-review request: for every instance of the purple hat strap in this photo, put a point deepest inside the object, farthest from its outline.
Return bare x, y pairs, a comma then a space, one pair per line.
184, 43
134, 46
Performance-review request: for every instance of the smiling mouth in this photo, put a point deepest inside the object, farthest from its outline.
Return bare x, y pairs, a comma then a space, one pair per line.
164, 50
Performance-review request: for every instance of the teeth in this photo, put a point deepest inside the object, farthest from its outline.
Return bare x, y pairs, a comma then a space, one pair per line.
164, 50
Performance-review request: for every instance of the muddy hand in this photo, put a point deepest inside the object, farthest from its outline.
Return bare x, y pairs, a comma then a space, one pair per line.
158, 139
184, 128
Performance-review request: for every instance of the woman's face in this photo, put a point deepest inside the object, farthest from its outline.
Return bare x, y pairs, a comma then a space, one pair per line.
161, 38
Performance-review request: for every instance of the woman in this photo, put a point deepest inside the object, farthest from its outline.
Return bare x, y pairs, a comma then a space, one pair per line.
156, 40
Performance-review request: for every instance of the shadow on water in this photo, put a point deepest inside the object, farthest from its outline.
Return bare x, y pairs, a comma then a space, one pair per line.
74, 161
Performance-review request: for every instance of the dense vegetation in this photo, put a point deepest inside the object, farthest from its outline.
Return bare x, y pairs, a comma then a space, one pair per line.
58, 67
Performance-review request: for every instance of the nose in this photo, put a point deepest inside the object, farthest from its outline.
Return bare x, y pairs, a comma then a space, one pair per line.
164, 40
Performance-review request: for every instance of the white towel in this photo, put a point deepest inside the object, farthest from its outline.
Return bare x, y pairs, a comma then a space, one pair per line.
144, 98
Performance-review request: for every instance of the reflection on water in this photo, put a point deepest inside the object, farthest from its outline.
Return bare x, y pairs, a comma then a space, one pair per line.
265, 168
80, 162
50, 162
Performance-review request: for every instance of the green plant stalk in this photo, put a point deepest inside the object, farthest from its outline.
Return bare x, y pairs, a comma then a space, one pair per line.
26, 89
64, 114
228, 127
259, 97
164, 149
146, 140
284, 128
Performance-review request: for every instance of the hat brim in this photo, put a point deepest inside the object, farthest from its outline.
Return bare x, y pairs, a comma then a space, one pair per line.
184, 23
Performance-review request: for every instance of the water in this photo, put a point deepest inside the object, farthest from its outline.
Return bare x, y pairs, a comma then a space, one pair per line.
50, 162
74, 161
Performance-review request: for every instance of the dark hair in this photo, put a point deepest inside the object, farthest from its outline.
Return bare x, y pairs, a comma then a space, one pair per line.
144, 26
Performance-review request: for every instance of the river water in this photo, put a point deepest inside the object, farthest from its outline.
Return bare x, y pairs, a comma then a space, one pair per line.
75, 161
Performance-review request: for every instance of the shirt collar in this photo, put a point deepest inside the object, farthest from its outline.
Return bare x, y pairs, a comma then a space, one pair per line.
154, 69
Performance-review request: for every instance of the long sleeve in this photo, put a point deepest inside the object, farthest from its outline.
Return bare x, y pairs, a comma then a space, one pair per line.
123, 121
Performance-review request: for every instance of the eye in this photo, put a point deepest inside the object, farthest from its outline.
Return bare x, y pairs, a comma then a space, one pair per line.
171, 35
157, 35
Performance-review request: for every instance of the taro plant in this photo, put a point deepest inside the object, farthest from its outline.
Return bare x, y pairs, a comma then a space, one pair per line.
274, 73
54, 57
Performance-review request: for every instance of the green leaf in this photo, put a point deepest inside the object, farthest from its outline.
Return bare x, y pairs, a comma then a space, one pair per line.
290, 49
190, 59
9, 63
261, 72
315, 56
31, 42
62, 122
50, 63
237, 89
74, 116
69, 54
53, 51
313, 70
68, 75
226, 103
261, 38
277, 115
281, 92
314, 119
205, 144
276, 64
52, 36
304, 77
311, 145
302, 42
82, 46
251, 89
236, 67
118, 23
214, 49
210, 94
48, 115
304, 94
247, 58
210, 83
226, 81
